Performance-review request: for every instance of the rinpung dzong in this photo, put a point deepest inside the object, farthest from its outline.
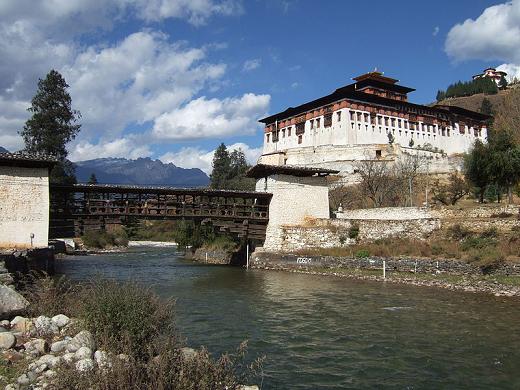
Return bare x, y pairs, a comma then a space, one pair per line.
370, 119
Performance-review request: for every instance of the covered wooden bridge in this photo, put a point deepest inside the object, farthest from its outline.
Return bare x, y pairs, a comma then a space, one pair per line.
75, 208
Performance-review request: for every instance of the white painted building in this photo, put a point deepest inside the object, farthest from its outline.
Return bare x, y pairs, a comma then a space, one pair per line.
24, 201
299, 196
370, 118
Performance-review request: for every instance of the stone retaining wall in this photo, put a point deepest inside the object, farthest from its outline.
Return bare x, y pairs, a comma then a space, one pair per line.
291, 262
336, 233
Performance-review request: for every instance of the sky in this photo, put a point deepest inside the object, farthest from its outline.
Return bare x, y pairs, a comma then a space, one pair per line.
172, 79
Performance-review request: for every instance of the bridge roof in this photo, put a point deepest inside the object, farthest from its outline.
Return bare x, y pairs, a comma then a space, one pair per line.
264, 170
21, 159
124, 188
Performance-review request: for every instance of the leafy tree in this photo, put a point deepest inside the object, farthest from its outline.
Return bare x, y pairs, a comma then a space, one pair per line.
504, 163
52, 125
476, 167
92, 179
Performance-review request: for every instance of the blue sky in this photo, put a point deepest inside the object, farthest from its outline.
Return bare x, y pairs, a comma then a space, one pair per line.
171, 79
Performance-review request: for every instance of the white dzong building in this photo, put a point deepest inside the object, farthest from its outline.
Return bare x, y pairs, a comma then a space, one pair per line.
369, 119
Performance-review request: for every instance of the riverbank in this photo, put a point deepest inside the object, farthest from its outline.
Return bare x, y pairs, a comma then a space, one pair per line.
502, 280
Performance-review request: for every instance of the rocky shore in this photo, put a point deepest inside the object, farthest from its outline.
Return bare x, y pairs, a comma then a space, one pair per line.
39, 346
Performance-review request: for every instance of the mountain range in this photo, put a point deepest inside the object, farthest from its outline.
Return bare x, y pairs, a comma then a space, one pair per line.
142, 171
3, 150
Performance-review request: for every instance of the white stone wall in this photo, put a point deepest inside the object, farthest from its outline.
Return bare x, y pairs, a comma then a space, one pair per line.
353, 137
24, 207
294, 200
355, 128
386, 213
344, 158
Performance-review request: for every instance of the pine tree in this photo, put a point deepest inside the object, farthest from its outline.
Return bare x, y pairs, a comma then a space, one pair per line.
221, 168
52, 125
92, 179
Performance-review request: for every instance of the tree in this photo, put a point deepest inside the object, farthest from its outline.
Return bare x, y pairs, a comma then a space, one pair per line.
450, 193
229, 170
502, 83
378, 182
92, 179
407, 169
52, 125
504, 163
441, 95
476, 167
221, 167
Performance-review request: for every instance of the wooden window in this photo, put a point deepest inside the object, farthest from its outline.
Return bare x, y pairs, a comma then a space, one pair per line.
283, 133
300, 128
312, 124
318, 123
359, 117
378, 153
339, 116
267, 137
327, 120
366, 118
289, 131
300, 139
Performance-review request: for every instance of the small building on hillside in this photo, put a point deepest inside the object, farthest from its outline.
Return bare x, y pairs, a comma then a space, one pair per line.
24, 200
492, 73
299, 193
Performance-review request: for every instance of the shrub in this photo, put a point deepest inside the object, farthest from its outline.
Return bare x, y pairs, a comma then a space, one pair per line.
101, 239
491, 232
48, 296
124, 314
353, 231
169, 369
362, 253
502, 214
458, 232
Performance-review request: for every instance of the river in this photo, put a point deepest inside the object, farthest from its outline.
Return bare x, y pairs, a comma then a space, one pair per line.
330, 333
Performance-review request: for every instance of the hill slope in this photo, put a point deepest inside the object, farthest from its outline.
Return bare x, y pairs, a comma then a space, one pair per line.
3, 150
474, 102
143, 171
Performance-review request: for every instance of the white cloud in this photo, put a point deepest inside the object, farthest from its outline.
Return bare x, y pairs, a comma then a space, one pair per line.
195, 157
212, 118
128, 147
136, 80
251, 64
512, 70
435, 31
295, 84
494, 35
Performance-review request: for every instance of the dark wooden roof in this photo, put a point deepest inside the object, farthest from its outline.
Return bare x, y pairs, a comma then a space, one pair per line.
28, 160
264, 170
122, 188
351, 93
382, 85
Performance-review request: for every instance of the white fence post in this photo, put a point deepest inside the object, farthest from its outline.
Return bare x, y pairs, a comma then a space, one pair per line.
384, 269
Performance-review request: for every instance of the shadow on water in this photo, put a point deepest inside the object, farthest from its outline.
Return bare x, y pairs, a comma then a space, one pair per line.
323, 332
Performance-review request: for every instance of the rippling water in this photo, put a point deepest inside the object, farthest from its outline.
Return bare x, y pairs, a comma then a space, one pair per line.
331, 333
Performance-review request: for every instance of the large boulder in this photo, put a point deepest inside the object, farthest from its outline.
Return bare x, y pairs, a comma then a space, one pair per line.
7, 340
82, 339
11, 302
21, 325
45, 326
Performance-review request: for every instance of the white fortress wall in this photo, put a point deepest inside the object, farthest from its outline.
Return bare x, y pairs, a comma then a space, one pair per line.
24, 207
294, 199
